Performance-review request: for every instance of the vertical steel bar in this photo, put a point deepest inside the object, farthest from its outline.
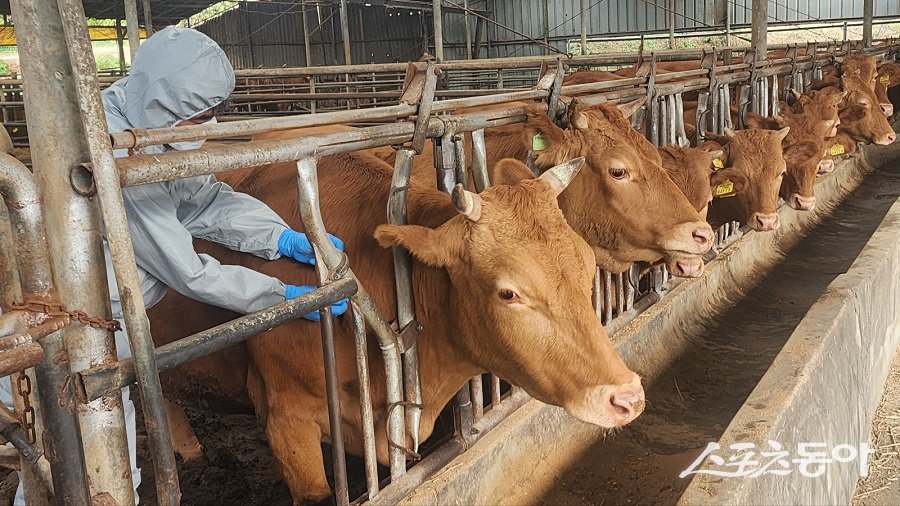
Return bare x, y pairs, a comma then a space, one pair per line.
365, 400
671, 24
545, 25
333, 393
607, 296
597, 295
620, 294
477, 394
672, 119
758, 26
18, 190
148, 16
58, 145
406, 308
106, 179
459, 148
345, 32
120, 43
308, 204
132, 27
629, 293
868, 14
438, 30
495, 390
584, 26
468, 29
307, 51
464, 412
479, 161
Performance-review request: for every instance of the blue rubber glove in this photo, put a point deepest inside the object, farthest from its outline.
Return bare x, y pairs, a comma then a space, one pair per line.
293, 291
297, 246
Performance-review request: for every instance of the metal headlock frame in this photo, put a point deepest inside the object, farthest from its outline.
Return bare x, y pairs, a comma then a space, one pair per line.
103, 176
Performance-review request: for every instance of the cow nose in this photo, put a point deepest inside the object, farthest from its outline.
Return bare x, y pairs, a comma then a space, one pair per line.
889, 138
764, 222
826, 166
689, 268
801, 203
627, 401
703, 236
887, 109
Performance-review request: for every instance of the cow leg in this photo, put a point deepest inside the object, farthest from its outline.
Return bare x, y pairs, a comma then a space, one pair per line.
296, 443
183, 438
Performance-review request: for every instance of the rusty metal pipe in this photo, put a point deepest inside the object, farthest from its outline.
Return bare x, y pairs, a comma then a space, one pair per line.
406, 309
99, 380
370, 456
334, 260
119, 239
24, 207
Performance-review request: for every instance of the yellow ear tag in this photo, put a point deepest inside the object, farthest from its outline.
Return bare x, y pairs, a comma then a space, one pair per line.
725, 189
538, 143
837, 149
885, 78
718, 163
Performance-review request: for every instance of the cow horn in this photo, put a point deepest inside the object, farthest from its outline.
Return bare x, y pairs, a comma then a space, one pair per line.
561, 175
467, 203
795, 94
729, 133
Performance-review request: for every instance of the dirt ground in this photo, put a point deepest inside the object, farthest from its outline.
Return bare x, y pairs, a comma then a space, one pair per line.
882, 486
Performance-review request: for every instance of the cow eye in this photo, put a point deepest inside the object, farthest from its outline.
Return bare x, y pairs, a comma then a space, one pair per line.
618, 173
507, 295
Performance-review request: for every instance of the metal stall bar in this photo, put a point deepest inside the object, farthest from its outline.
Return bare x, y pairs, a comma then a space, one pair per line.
106, 181
336, 264
332, 383
92, 383
365, 400
132, 27
64, 449
76, 259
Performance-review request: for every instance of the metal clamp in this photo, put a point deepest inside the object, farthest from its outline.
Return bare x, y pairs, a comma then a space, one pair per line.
419, 86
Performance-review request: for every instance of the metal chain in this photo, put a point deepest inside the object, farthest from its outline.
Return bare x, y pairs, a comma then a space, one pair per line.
55, 309
23, 384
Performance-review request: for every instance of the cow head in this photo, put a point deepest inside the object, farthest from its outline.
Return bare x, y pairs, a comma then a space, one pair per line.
861, 116
692, 171
622, 203
820, 105
521, 287
756, 156
803, 150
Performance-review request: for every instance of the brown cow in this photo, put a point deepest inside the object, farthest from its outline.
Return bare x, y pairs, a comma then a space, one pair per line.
505, 287
694, 172
803, 150
756, 156
861, 117
590, 76
622, 204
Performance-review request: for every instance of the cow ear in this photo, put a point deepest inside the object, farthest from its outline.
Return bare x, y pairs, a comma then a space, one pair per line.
783, 132
754, 120
629, 108
738, 180
801, 152
716, 154
853, 113
427, 245
540, 131
510, 171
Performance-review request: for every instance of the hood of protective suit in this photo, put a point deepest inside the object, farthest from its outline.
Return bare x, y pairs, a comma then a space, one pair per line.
176, 74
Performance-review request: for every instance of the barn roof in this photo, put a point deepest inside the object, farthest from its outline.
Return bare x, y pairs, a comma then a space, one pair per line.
164, 12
